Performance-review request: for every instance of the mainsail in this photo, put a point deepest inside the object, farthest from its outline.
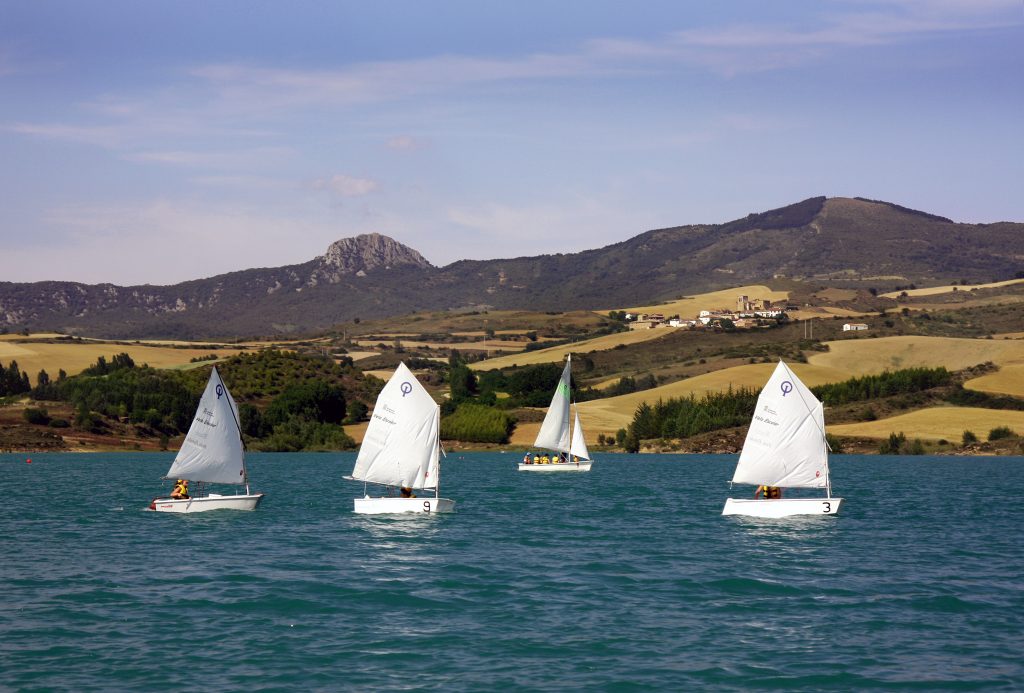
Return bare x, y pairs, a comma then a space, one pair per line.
401, 446
212, 451
554, 432
785, 445
578, 447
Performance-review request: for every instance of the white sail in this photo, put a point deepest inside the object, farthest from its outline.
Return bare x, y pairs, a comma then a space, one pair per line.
785, 445
578, 447
554, 432
212, 451
401, 445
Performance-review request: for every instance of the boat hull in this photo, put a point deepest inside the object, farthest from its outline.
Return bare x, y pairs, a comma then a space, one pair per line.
557, 467
392, 506
210, 502
781, 507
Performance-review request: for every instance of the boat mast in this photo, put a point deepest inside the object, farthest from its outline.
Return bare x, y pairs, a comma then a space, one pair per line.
437, 481
568, 360
238, 427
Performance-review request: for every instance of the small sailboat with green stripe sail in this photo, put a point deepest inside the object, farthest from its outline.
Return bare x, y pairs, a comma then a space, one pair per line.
558, 435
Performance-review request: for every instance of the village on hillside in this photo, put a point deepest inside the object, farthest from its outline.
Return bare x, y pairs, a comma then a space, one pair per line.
749, 313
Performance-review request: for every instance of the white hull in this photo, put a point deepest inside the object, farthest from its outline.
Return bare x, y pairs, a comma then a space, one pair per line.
781, 507
210, 502
389, 506
557, 467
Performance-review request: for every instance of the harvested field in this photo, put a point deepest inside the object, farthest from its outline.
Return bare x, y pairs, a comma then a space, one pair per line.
867, 356
557, 354
937, 423
74, 357
1008, 380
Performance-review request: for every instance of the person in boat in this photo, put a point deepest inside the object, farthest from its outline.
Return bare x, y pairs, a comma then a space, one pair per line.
180, 489
545, 459
406, 492
527, 459
768, 492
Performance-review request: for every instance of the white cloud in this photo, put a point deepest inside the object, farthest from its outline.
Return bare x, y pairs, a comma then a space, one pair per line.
346, 186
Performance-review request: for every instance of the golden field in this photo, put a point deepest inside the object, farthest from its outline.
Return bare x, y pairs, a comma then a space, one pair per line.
936, 423
1008, 380
690, 306
74, 357
557, 354
868, 356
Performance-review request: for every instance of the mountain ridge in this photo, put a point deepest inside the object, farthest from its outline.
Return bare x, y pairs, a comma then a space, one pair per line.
843, 241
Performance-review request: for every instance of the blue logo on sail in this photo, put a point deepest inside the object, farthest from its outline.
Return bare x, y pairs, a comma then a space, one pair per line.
406, 388
220, 391
787, 387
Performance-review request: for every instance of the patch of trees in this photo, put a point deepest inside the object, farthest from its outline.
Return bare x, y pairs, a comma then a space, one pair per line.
477, 423
882, 385
13, 380
690, 416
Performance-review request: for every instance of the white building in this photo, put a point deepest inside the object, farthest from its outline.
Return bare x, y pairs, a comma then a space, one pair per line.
854, 327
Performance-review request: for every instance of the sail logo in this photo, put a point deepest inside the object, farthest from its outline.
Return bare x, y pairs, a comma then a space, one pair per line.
220, 391
406, 388
787, 387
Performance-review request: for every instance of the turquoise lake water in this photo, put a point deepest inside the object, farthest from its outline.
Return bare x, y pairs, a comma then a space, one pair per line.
623, 579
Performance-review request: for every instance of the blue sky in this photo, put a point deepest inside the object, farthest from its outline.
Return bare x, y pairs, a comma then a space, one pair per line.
155, 142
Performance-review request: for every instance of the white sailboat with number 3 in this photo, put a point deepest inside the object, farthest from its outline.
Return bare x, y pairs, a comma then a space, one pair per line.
212, 453
785, 448
402, 449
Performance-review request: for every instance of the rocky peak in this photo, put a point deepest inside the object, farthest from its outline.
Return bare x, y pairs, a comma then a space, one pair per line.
368, 252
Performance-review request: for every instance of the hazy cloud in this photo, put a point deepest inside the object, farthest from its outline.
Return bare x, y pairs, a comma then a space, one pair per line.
405, 142
346, 186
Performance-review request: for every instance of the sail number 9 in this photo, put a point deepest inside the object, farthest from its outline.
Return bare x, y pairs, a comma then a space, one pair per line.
426, 506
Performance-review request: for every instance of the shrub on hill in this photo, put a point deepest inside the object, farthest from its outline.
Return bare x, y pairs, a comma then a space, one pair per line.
1001, 432
475, 423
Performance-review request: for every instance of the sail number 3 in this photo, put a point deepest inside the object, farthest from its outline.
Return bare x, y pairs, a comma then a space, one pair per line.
828, 507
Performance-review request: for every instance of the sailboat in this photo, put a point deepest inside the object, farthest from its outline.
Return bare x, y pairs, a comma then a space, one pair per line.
556, 434
785, 447
402, 449
212, 453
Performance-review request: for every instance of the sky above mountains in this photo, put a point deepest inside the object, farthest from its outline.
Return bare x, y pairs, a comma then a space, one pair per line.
155, 142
